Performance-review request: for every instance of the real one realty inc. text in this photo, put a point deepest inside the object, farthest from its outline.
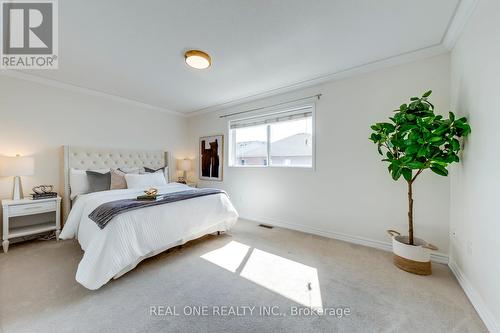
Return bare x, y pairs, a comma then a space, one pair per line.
239, 311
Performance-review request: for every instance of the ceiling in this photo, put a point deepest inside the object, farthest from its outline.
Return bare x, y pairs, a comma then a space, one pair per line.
135, 49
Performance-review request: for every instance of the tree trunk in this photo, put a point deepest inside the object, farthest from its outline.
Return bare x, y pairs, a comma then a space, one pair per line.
410, 213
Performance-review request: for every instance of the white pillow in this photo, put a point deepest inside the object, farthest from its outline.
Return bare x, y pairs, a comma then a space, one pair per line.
79, 182
145, 181
164, 170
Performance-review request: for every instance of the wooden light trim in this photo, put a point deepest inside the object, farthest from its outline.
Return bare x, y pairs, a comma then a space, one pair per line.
197, 54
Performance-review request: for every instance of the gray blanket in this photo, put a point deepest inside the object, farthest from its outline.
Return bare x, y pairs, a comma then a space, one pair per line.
105, 212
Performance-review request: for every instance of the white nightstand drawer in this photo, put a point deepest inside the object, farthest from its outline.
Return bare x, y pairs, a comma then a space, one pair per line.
32, 208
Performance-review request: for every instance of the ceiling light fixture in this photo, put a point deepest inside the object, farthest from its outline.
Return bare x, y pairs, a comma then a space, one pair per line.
197, 59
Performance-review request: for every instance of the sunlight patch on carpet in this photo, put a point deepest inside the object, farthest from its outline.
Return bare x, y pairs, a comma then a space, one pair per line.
291, 279
230, 256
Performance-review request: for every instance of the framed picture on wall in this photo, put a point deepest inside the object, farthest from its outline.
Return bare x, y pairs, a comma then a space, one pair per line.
211, 157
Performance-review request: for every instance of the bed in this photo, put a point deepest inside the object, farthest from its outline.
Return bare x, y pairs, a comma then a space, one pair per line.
134, 235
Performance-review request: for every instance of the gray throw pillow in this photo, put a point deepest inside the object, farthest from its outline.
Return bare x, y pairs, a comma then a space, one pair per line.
149, 170
98, 181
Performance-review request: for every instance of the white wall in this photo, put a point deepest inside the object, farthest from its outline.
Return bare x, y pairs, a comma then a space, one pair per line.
351, 191
475, 190
36, 120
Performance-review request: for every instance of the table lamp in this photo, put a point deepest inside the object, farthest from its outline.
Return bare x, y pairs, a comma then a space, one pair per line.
16, 167
185, 166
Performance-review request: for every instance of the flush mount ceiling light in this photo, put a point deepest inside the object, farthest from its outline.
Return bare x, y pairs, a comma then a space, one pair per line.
197, 59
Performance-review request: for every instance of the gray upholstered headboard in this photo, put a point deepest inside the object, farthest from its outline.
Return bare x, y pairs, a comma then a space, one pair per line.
87, 158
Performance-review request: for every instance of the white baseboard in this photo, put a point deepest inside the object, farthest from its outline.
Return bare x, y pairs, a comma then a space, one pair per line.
477, 301
386, 246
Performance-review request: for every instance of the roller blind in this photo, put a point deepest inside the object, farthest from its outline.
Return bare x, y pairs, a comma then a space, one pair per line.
270, 118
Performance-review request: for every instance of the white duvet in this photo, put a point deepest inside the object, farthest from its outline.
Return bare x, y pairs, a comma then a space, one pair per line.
133, 236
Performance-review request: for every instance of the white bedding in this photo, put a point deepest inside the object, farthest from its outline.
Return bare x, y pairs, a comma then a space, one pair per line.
135, 235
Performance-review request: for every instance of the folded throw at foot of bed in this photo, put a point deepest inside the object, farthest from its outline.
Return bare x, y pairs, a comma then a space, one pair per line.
105, 212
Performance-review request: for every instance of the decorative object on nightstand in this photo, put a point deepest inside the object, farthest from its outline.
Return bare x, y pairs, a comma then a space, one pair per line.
43, 192
26, 207
16, 167
185, 166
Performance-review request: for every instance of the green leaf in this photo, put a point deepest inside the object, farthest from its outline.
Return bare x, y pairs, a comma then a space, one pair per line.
435, 139
396, 173
422, 151
375, 137
407, 127
415, 165
406, 159
439, 169
466, 130
427, 94
406, 173
412, 149
452, 116
388, 127
414, 98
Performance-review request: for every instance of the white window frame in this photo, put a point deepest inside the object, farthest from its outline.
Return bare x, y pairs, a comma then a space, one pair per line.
232, 144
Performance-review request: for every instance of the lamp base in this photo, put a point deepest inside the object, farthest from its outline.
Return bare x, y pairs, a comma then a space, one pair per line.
183, 179
17, 192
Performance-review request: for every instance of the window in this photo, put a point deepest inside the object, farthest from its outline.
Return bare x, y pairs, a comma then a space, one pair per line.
278, 139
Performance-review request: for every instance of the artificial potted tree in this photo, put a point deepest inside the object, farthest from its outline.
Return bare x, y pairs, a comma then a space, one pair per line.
414, 140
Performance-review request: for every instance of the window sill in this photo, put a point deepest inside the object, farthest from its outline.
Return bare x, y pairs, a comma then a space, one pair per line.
270, 167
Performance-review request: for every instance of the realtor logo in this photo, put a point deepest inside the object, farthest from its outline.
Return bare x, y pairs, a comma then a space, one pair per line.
29, 34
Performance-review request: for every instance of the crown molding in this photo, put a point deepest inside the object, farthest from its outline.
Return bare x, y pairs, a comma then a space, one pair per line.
407, 57
87, 91
460, 18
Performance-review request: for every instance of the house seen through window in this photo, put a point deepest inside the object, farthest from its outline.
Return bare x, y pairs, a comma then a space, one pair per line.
279, 139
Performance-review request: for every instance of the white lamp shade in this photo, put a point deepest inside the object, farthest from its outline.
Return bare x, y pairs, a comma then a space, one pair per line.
17, 166
185, 165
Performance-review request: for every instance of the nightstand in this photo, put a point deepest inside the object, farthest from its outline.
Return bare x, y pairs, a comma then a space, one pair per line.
25, 207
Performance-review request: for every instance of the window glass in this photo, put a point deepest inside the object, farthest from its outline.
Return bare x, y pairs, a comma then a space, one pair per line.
291, 143
250, 146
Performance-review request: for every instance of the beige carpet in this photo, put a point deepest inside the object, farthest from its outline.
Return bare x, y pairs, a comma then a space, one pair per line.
274, 270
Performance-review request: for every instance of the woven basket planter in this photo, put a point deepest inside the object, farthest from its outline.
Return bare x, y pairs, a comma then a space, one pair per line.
415, 258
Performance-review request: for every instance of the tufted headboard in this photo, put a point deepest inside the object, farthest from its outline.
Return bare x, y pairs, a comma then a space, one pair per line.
87, 158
